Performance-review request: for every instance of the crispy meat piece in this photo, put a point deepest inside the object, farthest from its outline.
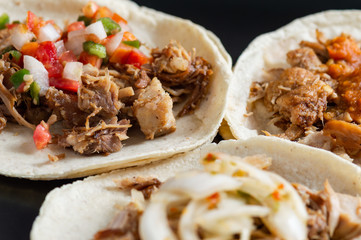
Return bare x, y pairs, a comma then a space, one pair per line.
103, 138
124, 226
177, 69
137, 78
145, 185
99, 93
298, 95
65, 106
305, 58
153, 110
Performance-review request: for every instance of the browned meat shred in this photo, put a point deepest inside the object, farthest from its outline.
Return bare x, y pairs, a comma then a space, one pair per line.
99, 93
153, 110
305, 58
177, 69
4, 39
103, 138
298, 95
331, 215
145, 185
3, 121
124, 226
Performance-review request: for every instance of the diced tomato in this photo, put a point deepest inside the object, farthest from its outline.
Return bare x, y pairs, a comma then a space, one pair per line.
41, 135
90, 9
64, 84
119, 19
46, 54
76, 26
20, 89
86, 58
29, 48
137, 58
128, 36
121, 54
34, 23
67, 56
11, 25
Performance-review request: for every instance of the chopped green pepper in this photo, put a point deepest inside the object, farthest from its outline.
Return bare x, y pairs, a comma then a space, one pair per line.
34, 92
16, 55
134, 43
87, 21
4, 19
95, 49
18, 78
109, 25
16, 22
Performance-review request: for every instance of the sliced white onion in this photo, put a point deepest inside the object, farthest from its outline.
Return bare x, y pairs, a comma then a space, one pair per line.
124, 27
97, 29
48, 33
114, 42
19, 36
75, 41
73, 71
40, 75
60, 47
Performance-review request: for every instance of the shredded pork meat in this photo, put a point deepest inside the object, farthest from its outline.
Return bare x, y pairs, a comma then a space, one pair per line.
146, 185
153, 110
103, 138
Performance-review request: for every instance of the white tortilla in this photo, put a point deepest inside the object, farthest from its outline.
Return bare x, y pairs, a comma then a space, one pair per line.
19, 157
79, 210
269, 51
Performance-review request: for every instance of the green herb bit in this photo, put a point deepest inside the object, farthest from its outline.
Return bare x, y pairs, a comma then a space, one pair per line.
34, 92
134, 43
110, 26
18, 78
95, 49
87, 21
4, 19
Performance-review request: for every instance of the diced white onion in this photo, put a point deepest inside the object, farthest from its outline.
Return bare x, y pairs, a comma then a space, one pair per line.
75, 41
60, 47
114, 42
48, 33
125, 27
73, 71
97, 29
19, 36
40, 75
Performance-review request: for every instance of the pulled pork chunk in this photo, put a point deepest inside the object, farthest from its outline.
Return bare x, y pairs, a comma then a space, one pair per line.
4, 39
124, 226
153, 110
99, 94
65, 106
103, 138
305, 58
177, 69
331, 215
146, 185
137, 78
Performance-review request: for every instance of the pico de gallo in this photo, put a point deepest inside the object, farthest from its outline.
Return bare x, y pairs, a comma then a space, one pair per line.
94, 77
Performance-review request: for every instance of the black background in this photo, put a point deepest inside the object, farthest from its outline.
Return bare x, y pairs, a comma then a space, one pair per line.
235, 23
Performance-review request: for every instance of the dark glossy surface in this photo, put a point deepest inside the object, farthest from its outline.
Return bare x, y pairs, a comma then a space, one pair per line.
236, 23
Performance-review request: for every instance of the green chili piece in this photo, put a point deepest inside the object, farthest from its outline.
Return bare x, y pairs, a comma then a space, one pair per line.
95, 49
18, 78
16, 55
134, 43
87, 21
4, 19
109, 25
34, 92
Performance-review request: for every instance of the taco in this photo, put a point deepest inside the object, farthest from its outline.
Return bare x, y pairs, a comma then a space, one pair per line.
229, 197
117, 74
301, 83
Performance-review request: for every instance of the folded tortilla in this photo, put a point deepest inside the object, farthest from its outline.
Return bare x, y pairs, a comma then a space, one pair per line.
80, 209
268, 51
19, 157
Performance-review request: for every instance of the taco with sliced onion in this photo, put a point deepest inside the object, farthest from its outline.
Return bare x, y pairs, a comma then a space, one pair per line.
229, 194
302, 83
81, 79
